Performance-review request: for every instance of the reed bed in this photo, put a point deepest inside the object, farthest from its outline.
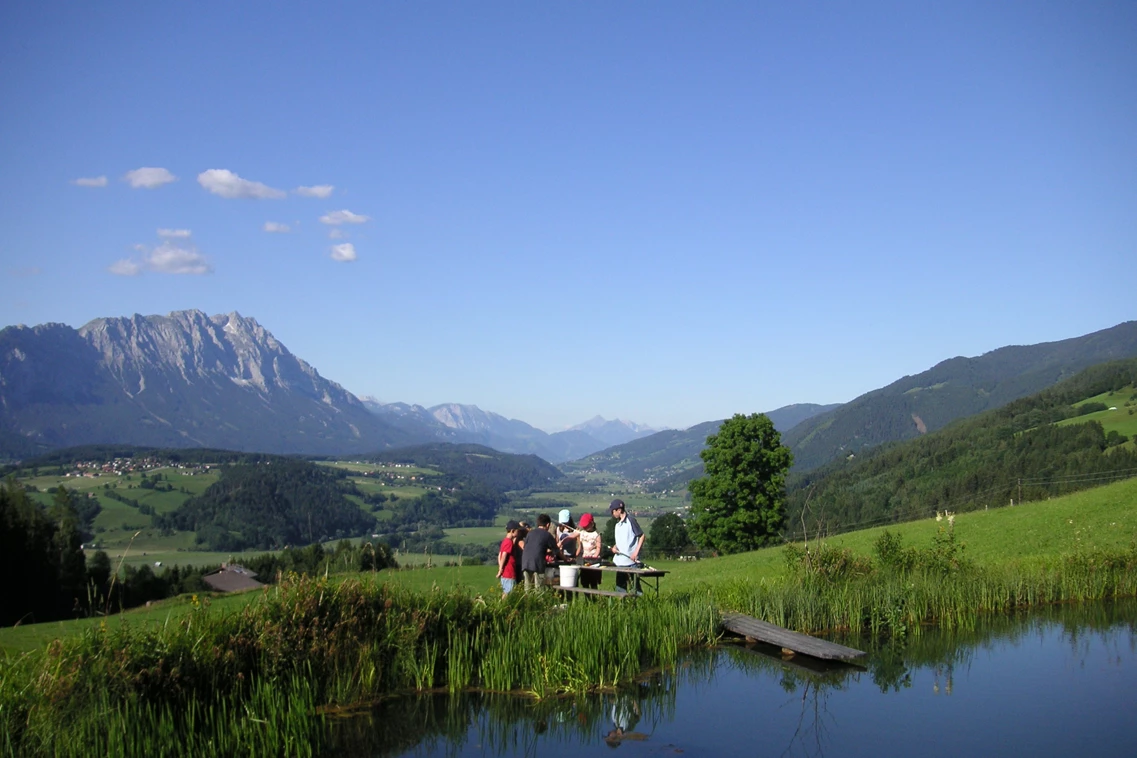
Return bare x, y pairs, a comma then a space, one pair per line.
884, 603
245, 683
257, 682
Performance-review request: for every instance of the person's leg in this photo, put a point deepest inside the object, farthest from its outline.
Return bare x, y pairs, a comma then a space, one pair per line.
507, 585
622, 581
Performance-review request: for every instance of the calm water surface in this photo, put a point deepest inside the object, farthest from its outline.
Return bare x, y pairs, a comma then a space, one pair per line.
1058, 683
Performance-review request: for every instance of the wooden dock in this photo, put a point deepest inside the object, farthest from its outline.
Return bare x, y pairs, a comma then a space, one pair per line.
763, 631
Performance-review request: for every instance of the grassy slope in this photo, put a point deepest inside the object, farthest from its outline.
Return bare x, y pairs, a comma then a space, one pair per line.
1105, 517
1123, 420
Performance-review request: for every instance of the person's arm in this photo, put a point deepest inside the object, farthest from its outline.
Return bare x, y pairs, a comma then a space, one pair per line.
638, 539
502, 556
635, 555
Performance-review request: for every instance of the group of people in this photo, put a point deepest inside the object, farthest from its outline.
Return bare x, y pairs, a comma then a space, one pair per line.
525, 553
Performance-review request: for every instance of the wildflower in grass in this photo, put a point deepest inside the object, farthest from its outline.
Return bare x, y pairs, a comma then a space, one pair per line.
939, 517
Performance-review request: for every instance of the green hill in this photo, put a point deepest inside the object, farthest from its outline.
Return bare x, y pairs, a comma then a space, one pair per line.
1030, 449
954, 389
501, 472
669, 459
270, 505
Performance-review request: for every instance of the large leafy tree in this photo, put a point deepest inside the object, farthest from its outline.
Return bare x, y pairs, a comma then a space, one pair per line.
668, 536
739, 504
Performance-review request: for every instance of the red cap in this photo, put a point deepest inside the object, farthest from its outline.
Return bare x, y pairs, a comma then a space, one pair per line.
586, 521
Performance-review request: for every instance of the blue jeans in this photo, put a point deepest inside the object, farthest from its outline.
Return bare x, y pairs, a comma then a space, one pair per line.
507, 585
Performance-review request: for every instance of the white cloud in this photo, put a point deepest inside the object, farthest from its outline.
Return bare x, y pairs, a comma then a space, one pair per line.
172, 256
180, 233
272, 226
335, 218
90, 181
319, 190
148, 177
225, 183
344, 252
125, 267
336, 234
176, 258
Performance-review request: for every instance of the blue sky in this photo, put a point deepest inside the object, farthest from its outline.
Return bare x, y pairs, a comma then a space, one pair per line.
663, 212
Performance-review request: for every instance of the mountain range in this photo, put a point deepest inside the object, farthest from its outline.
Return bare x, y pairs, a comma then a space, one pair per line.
192, 380
909, 407
453, 422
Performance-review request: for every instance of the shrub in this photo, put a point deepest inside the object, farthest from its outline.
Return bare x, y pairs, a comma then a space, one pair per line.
892, 555
826, 562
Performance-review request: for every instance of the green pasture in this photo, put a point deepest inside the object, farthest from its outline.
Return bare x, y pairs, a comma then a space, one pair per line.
1101, 518
1030, 534
20, 639
475, 535
597, 503
1123, 420
361, 467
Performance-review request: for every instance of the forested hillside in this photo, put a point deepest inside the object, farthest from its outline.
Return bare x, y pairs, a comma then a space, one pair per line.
271, 505
501, 472
954, 389
1017, 452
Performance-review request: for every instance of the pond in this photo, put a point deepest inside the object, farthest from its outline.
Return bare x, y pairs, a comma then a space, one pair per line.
1059, 682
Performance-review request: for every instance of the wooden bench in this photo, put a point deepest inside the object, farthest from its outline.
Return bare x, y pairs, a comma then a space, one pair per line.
594, 593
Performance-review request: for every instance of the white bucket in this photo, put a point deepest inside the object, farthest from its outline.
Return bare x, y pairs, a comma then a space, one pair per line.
569, 575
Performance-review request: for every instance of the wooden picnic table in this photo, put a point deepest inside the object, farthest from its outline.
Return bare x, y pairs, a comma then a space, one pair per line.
643, 573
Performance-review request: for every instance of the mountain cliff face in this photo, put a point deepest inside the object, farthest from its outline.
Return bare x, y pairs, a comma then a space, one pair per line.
182, 380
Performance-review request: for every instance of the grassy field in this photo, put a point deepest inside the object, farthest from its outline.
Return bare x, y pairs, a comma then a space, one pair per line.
597, 504
1103, 518
1030, 534
1123, 420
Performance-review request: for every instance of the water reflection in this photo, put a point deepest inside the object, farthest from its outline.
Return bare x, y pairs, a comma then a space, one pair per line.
1057, 682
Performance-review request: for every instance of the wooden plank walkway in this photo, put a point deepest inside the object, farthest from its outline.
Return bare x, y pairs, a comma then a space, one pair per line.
763, 631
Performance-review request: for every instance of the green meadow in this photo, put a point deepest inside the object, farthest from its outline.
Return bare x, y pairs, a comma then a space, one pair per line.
1023, 537
1123, 420
253, 673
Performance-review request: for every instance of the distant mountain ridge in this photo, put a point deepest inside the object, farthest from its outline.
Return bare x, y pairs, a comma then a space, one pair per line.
455, 422
907, 408
182, 380
952, 389
672, 453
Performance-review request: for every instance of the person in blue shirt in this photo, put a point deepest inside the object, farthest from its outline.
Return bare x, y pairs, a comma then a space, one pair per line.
629, 542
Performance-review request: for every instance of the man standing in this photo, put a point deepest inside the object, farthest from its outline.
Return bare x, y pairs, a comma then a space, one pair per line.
626, 551
507, 558
538, 544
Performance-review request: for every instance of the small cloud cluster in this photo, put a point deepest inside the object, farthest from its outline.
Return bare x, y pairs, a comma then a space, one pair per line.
343, 253
335, 218
148, 177
320, 190
223, 182
174, 255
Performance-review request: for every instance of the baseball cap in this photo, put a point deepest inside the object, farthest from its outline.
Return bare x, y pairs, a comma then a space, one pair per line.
564, 517
510, 526
586, 520
616, 505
